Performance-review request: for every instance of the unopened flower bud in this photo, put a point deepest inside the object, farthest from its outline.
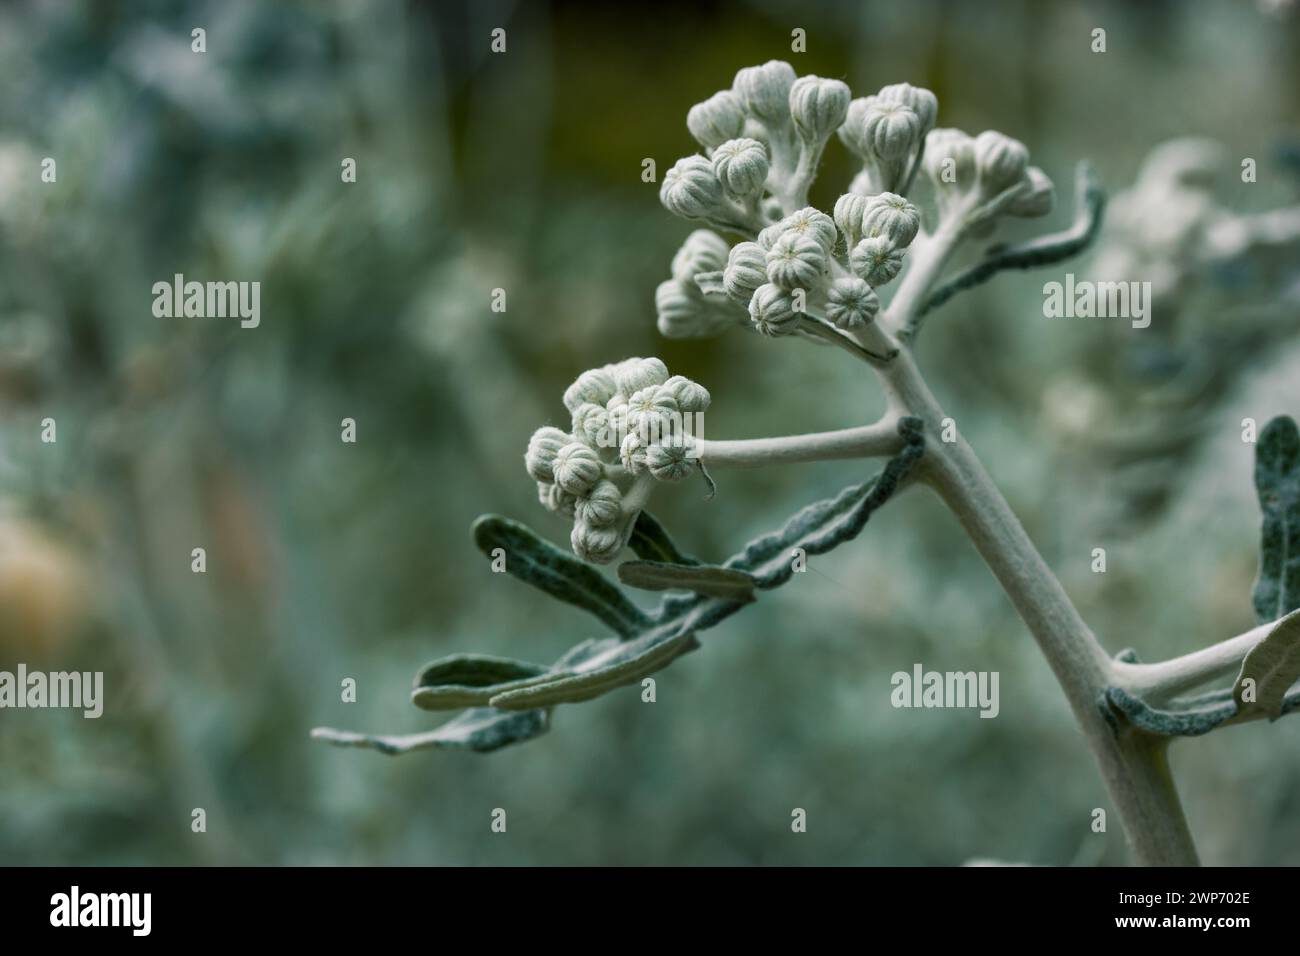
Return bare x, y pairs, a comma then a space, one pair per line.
1038, 198
891, 130
632, 453
818, 107
852, 131
595, 385
556, 499
741, 166
746, 271
771, 311
764, 91
671, 460
542, 449
681, 312
893, 217
690, 189
651, 412
591, 424
811, 222
601, 507
876, 260
691, 396
703, 251
598, 545
796, 261
851, 303
849, 210
576, 468
920, 101
717, 119
1000, 161
634, 374
949, 161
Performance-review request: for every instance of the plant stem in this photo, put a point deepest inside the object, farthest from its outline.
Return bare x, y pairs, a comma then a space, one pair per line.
867, 441
1167, 678
1132, 764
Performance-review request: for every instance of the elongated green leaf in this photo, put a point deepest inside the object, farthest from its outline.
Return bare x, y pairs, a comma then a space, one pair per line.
701, 578
470, 680
1270, 670
601, 667
558, 573
481, 729
827, 524
651, 542
1277, 479
1189, 718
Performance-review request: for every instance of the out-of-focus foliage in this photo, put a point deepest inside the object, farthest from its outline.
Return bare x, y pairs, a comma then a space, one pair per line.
521, 171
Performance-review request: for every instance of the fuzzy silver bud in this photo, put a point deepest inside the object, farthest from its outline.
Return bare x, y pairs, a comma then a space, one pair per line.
746, 271
796, 261
598, 545
1038, 198
876, 260
591, 424
651, 412
1000, 162
851, 303
852, 131
771, 311
893, 217
545, 444
601, 507
919, 100
848, 213
671, 460
949, 162
691, 396
690, 189
717, 119
577, 468
634, 374
632, 453
891, 130
556, 499
595, 385
818, 107
764, 91
703, 251
741, 166
810, 222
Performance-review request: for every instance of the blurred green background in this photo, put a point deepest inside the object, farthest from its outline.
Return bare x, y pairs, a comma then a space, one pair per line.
522, 171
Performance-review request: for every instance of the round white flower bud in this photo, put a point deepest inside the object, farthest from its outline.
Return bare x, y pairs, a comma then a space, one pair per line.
576, 468
601, 507
703, 251
691, 396
598, 545
850, 303
1038, 198
949, 161
811, 222
670, 460
746, 271
632, 453
876, 260
651, 412
920, 101
591, 425
891, 130
818, 107
545, 444
852, 131
717, 119
764, 91
690, 189
741, 166
634, 374
796, 261
556, 499
682, 312
771, 311
594, 385
849, 210
1000, 161
893, 217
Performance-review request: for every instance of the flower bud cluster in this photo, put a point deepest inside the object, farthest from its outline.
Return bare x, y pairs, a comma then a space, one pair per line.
989, 170
631, 425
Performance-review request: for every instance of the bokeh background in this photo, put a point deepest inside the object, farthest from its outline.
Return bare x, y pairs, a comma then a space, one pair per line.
522, 171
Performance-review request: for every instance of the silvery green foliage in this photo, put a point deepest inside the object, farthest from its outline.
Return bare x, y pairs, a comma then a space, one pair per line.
510, 700
630, 428
1273, 665
762, 142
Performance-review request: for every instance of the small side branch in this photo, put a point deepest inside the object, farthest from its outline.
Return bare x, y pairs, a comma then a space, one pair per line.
867, 441
1090, 205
